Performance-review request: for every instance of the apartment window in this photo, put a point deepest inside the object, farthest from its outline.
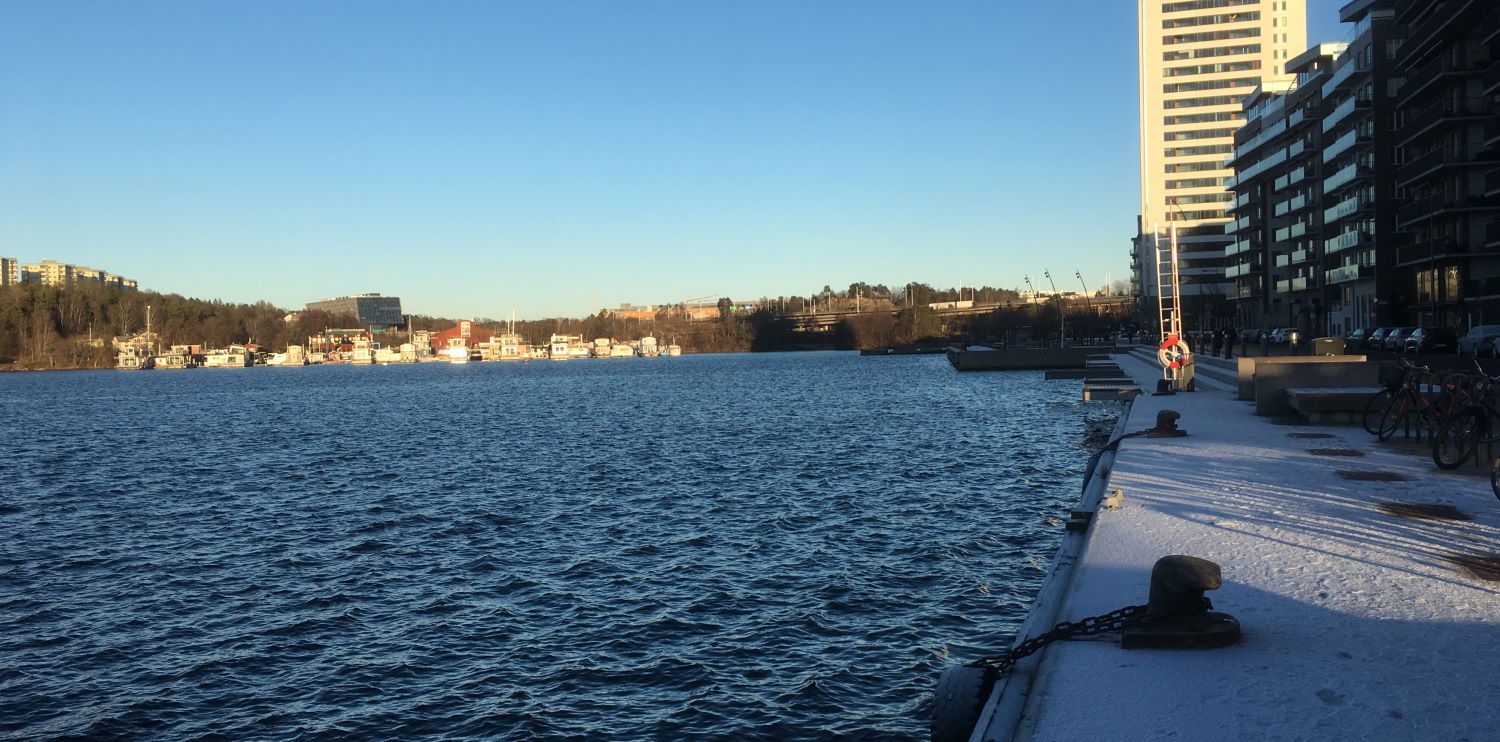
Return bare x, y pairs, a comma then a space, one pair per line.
1178, 136
1188, 87
1183, 216
1214, 100
1196, 183
1193, 38
1204, 5
1194, 167
1205, 118
1212, 51
1211, 20
1202, 198
1208, 69
1206, 149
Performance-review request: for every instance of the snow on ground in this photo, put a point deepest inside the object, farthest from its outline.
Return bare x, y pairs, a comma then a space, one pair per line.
1357, 626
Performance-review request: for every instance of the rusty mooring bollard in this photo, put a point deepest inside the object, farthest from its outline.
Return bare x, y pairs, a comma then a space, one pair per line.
1177, 613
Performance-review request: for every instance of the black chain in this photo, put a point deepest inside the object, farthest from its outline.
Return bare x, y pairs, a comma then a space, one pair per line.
1115, 620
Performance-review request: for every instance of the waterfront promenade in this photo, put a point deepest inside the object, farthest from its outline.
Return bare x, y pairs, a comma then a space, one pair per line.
1359, 624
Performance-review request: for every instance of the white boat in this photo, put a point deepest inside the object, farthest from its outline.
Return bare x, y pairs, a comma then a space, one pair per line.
235, 356
674, 350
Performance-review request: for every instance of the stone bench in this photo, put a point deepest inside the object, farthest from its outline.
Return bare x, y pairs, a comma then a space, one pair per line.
1271, 380
1248, 365
1322, 405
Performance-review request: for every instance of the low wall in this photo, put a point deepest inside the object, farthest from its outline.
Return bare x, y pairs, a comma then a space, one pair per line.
1013, 359
1248, 366
1273, 379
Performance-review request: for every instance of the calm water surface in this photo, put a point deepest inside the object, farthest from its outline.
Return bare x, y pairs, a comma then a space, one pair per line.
777, 547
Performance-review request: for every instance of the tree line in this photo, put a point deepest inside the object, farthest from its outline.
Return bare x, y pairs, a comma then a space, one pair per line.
46, 327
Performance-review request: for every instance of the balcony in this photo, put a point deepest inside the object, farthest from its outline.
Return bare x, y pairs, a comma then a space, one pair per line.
1300, 256
1427, 164
1492, 183
1343, 74
1437, 248
1492, 79
1291, 232
1289, 179
1345, 241
1423, 209
1440, 69
1342, 177
1344, 274
1283, 260
1492, 133
1242, 269
1300, 283
1443, 113
1237, 247
1429, 31
1339, 113
1492, 235
1340, 145
1344, 208
1295, 117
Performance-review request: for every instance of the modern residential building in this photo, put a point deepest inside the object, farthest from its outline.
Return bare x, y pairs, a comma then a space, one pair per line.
10, 271
1275, 258
1448, 140
1360, 236
53, 273
379, 313
1199, 59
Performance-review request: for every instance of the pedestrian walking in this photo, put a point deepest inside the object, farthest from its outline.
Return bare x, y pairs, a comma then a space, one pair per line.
1229, 337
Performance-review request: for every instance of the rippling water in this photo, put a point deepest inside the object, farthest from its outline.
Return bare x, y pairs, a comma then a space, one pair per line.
777, 547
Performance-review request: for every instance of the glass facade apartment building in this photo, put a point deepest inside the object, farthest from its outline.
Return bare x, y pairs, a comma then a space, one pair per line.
1199, 60
1386, 211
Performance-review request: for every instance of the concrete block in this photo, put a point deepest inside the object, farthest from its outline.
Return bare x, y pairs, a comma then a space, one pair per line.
1273, 379
1248, 365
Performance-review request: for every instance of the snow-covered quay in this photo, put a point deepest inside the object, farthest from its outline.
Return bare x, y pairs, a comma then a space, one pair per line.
1360, 621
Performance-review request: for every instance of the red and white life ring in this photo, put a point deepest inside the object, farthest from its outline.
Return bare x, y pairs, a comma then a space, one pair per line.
1173, 353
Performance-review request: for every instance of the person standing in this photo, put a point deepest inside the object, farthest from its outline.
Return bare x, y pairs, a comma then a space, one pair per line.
1229, 337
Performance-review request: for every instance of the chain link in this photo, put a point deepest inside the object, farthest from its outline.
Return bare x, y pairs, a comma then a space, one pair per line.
1115, 620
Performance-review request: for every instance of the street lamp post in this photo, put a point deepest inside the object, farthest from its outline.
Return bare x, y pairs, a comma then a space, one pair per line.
1062, 314
1088, 300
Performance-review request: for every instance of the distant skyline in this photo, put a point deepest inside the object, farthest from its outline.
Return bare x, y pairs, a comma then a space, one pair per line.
478, 157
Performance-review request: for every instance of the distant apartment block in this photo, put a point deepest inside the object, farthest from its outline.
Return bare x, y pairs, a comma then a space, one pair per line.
379, 313
10, 271
1199, 60
53, 273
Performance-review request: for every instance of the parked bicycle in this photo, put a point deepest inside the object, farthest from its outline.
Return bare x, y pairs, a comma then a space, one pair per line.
1476, 422
1413, 397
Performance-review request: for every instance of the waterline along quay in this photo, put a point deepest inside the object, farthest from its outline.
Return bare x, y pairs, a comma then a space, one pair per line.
1364, 582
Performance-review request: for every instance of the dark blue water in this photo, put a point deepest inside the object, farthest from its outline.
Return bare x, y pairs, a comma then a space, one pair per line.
777, 547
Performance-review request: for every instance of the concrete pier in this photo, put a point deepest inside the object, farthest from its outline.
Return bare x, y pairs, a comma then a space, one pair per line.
1367, 583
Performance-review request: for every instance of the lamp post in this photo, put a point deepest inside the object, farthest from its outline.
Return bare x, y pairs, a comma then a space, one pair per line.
1088, 300
1062, 314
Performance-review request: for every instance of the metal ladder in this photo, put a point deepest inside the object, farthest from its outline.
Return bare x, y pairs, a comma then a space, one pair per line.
1175, 355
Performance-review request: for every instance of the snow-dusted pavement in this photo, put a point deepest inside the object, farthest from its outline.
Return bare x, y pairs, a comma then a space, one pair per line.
1358, 624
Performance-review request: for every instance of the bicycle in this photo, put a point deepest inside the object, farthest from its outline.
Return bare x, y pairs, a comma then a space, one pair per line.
1404, 396
1459, 436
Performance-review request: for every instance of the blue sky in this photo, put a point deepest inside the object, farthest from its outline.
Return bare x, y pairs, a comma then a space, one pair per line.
474, 157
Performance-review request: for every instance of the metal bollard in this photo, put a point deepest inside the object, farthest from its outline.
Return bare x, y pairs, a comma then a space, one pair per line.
1177, 613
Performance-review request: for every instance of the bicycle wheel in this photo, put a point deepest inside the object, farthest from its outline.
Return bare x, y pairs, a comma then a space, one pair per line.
1392, 417
1375, 410
1495, 477
1459, 438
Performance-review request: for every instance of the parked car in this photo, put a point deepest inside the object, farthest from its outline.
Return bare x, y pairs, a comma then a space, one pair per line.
1250, 335
1431, 340
1376, 339
1356, 338
1284, 335
1395, 340
1479, 339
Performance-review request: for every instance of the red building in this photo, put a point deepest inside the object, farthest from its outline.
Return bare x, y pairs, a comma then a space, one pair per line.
465, 334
